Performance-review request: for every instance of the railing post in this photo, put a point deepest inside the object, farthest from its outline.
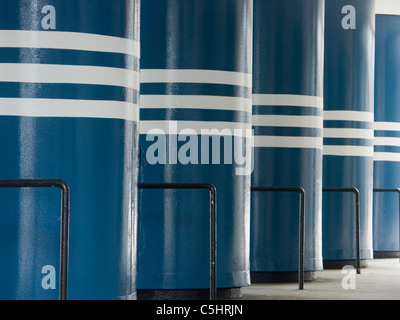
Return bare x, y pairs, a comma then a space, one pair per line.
301, 223
392, 190
358, 241
65, 208
213, 223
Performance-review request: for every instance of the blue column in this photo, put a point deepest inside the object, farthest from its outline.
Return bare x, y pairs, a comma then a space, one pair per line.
287, 123
387, 135
348, 128
69, 81
195, 110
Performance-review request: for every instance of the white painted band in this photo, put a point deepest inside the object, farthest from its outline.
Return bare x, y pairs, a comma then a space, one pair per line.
195, 76
348, 151
69, 108
348, 133
67, 40
196, 127
387, 126
387, 141
386, 156
391, 7
347, 115
287, 100
287, 142
48, 73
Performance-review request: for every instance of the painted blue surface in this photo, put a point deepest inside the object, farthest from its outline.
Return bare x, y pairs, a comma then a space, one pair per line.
173, 226
101, 17
273, 30
97, 157
348, 86
179, 27
387, 107
288, 59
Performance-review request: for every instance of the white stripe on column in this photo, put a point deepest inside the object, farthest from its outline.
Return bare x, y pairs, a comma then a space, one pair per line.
386, 156
287, 142
287, 100
287, 121
47, 73
67, 40
69, 108
387, 141
195, 102
175, 127
351, 151
391, 7
195, 76
348, 133
349, 115
387, 126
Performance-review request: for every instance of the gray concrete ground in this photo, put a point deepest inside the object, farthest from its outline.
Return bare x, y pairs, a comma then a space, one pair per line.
379, 281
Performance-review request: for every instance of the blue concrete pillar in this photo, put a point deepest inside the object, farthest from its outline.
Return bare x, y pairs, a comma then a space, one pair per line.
287, 123
387, 134
69, 84
195, 113
348, 128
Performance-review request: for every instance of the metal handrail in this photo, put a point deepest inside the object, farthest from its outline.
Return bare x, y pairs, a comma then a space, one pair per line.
65, 208
213, 223
391, 190
358, 246
301, 223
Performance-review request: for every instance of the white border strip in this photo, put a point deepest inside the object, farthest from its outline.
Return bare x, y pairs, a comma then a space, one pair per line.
69, 108
349, 115
387, 141
387, 156
287, 142
387, 126
67, 40
287, 100
391, 7
195, 76
348, 151
176, 127
348, 133
287, 121
195, 102
47, 73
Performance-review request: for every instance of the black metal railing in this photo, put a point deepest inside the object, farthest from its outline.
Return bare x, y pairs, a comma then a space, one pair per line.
65, 207
301, 222
213, 223
397, 190
358, 242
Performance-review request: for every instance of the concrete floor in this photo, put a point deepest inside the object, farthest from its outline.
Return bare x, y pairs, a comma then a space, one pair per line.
379, 281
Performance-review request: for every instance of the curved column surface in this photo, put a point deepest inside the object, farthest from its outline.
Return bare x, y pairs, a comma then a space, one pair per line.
287, 123
387, 131
195, 117
348, 126
69, 83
